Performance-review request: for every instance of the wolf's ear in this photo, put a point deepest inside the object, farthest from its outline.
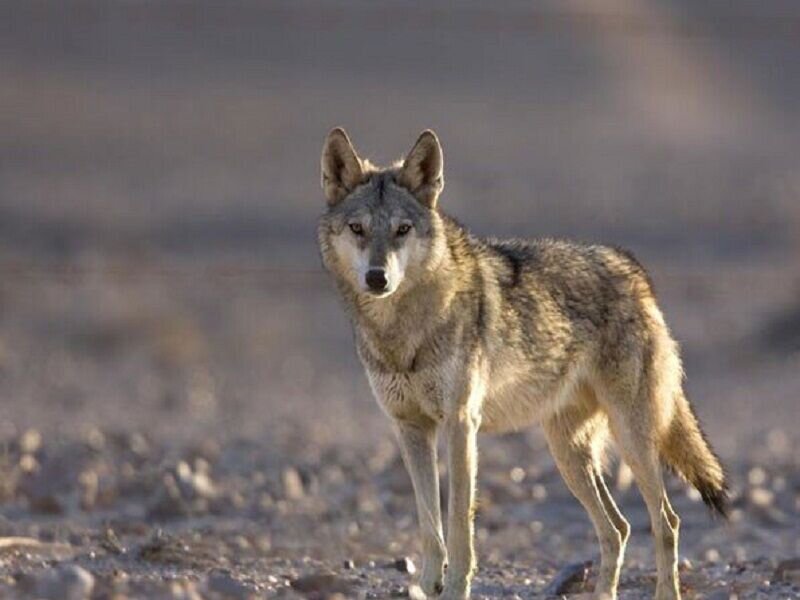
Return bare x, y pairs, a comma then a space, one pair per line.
342, 170
422, 170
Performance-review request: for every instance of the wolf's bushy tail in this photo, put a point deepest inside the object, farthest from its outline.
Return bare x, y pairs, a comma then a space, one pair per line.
686, 450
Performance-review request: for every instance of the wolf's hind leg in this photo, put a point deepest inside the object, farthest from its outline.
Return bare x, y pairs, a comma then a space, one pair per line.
612, 510
640, 453
418, 447
575, 437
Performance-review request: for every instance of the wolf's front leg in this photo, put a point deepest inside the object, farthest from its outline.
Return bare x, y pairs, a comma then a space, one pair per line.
461, 432
418, 446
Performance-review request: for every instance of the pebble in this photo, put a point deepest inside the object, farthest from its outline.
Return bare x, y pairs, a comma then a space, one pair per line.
184, 590
292, 484
167, 500
225, 585
570, 579
517, 474
322, 584
788, 571
65, 582
712, 555
539, 492
348, 565
761, 497
405, 565
30, 442
110, 542
757, 476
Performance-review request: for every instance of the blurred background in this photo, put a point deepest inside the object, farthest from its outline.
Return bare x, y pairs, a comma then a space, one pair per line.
159, 190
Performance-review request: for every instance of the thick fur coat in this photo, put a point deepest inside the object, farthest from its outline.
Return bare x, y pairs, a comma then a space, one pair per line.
459, 334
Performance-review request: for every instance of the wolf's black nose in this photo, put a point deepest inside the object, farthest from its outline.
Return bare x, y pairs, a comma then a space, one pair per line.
376, 280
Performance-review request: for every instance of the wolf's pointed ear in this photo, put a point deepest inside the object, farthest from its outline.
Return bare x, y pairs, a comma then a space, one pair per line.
422, 170
342, 170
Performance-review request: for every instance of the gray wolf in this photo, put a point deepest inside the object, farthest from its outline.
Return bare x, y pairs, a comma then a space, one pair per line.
459, 334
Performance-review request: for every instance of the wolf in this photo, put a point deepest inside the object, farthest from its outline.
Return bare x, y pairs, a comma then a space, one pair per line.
460, 335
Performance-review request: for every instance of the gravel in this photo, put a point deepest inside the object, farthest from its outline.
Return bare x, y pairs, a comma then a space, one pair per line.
240, 521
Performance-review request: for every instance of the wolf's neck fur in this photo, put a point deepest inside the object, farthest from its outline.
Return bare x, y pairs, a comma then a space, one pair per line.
393, 329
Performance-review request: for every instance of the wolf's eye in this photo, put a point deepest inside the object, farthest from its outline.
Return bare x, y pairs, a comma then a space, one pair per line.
356, 228
403, 229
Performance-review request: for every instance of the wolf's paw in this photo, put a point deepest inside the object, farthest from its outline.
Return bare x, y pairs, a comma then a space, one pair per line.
454, 595
455, 591
431, 581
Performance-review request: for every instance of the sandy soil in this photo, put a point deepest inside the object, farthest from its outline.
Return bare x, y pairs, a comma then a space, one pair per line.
294, 518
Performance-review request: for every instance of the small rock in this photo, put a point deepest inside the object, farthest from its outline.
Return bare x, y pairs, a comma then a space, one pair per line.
110, 542
569, 580
28, 463
321, 585
139, 445
203, 486
757, 476
517, 474
66, 582
788, 571
712, 555
348, 565
95, 439
405, 565
46, 504
184, 590
761, 497
30, 442
167, 500
539, 492
224, 585
89, 486
415, 593
292, 484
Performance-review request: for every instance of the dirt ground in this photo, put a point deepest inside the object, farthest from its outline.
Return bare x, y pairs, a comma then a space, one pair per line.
289, 518
182, 414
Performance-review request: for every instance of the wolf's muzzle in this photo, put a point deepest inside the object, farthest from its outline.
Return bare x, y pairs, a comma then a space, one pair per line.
376, 280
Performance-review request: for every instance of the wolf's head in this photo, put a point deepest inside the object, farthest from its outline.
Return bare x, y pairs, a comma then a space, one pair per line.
381, 230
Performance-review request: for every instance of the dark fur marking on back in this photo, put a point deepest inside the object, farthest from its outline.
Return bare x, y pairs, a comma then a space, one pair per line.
515, 257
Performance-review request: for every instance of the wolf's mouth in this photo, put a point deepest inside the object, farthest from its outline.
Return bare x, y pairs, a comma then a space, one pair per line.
378, 294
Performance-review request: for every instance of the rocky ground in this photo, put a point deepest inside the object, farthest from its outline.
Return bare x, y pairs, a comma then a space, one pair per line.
118, 515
